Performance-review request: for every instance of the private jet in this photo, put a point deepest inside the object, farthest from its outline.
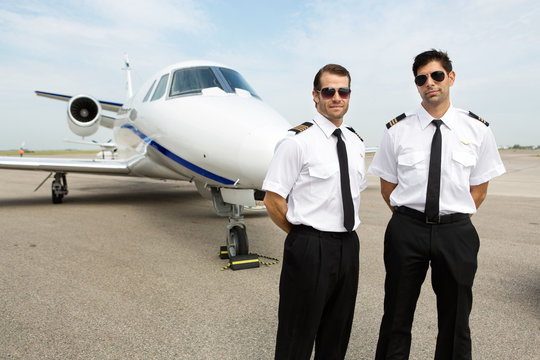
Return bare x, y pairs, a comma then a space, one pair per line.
195, 121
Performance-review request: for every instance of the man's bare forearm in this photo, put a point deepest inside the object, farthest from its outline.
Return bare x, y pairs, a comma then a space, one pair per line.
386, 190
478, 193
277, 209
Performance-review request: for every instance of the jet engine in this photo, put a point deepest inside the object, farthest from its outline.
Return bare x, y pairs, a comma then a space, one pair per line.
84, 115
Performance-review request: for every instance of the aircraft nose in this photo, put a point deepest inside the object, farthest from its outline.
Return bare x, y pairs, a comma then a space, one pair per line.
256, 152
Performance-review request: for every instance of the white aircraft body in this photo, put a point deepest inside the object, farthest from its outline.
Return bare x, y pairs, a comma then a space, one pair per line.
193, 121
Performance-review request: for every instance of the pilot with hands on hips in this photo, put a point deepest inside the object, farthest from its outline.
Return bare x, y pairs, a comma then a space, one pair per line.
434, 166
313, 190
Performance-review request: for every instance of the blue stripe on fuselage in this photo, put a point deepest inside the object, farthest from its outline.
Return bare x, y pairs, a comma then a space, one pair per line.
177, 158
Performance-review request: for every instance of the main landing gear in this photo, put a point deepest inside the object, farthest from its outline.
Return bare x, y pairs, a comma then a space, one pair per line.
59, 187
237, 240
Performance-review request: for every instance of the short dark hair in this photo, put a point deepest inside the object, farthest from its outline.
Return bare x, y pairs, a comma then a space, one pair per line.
432, 55
332, 69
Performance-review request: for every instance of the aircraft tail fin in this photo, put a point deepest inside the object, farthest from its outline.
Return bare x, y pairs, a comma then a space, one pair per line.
129, 89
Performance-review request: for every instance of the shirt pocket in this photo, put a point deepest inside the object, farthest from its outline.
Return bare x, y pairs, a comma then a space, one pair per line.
462, 165
412, 168
322, 178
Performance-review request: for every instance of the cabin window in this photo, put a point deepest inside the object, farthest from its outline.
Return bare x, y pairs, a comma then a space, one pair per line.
161, 87
192, 81
149, 92
236, 81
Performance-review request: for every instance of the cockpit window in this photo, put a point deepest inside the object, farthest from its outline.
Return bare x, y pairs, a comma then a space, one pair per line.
149, 92
236, 81
190, 81
161, 87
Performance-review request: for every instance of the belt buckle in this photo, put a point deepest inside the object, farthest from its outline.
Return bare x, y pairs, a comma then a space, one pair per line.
434, 221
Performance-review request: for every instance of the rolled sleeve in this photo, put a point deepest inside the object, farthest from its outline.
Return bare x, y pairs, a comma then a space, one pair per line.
384, 162
489, 164
284, 167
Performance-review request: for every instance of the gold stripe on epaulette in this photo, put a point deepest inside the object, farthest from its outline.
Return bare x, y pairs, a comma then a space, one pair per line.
395, 120
301, 127
474, 116
392, 123
353, 131
304, 126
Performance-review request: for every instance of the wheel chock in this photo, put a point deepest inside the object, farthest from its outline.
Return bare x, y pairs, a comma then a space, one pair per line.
223, 252
240, 262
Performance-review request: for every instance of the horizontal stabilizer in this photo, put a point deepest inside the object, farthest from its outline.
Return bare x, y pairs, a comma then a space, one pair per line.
104, 145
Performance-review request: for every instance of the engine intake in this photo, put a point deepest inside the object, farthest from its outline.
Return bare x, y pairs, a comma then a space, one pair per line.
84, 115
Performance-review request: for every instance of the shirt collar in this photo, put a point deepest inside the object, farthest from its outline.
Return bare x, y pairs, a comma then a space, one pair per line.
327, 126
425, 118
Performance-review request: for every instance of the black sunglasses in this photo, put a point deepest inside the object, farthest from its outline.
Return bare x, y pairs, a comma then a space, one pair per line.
329, 92
438, 76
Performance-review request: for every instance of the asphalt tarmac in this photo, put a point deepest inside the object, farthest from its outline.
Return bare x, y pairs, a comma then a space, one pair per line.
127, 268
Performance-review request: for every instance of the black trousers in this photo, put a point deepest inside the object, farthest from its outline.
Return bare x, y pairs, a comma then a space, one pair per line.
318, 286
410, 246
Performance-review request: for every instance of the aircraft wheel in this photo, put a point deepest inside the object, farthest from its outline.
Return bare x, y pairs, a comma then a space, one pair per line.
57, 194
57, 199
237, 243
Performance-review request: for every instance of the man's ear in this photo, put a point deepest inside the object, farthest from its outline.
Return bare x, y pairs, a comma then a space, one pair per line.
452, 77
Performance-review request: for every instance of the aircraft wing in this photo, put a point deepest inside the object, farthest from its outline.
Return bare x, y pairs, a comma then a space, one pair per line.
89, 166
105, 105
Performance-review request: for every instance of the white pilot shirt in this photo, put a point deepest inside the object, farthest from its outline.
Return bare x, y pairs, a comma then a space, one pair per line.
305, 168
469, 157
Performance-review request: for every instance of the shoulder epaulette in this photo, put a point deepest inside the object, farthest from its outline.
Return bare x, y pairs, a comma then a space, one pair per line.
304, 126
395, 120
474, 116
352, 130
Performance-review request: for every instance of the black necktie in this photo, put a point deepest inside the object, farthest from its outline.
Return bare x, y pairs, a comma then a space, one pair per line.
434, 178
348, 207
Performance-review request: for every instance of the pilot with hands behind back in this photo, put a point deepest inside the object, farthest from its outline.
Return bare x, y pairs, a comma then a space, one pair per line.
313, 190
434, 166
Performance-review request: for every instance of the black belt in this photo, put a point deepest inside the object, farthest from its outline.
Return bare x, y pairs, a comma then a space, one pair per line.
441, 219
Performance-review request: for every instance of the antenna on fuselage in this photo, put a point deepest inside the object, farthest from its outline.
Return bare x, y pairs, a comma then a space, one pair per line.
129, 89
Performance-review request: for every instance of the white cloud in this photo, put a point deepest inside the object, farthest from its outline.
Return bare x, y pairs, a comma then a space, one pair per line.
78, 46
162, 15
96, 28
494, 46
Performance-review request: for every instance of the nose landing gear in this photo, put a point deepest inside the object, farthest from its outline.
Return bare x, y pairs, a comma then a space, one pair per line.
237, 240
59, 188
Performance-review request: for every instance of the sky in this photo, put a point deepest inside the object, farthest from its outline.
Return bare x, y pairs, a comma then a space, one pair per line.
77, 47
